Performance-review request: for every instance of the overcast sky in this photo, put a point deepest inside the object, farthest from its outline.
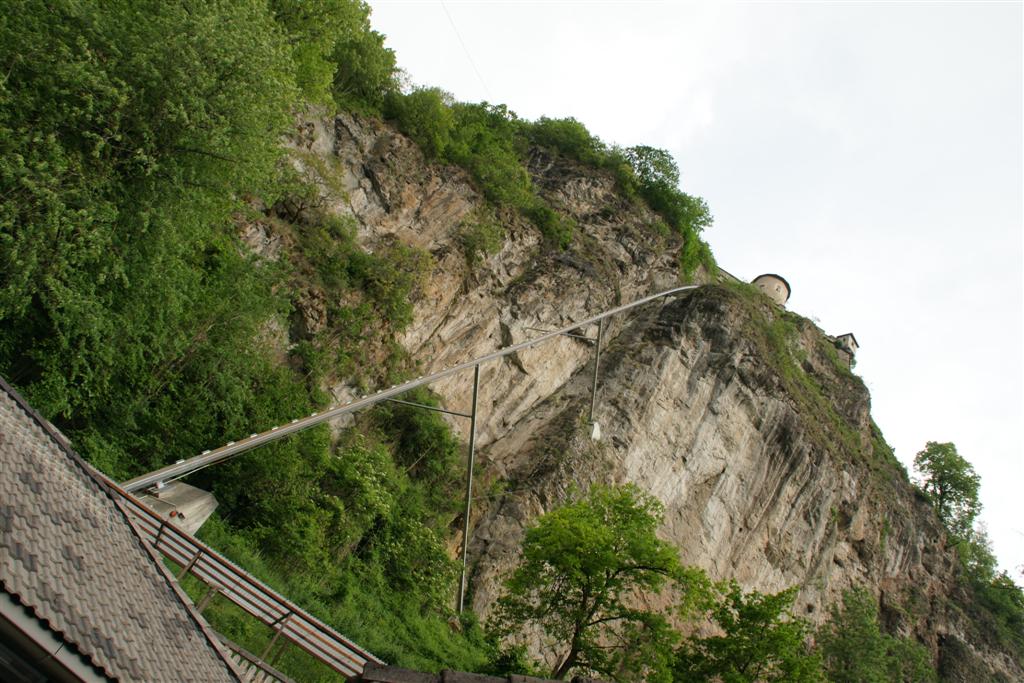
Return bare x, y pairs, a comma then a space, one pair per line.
869, 152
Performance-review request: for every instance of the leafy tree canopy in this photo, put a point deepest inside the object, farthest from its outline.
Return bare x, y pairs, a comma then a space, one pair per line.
311, 28
760, 640
855, 650
365, 71
128, 131
951, 484
426, 116
653, 166
570, 137
582, 567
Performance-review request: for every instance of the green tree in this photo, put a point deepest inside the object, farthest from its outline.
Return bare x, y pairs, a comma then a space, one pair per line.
855, 650
656, 178
998, 601
653, 167
128, 130
583, 565
425, 115
951, 485
760, 641
570, 137
312, 28
365, 71
852, 643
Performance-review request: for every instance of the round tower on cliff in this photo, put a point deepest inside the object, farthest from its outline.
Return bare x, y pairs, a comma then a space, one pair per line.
775, 286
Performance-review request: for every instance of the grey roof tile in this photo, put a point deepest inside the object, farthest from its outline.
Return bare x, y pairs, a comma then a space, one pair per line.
69, 554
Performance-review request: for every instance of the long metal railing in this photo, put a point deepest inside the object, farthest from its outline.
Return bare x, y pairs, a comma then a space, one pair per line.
185, 467
225, 578
207, 458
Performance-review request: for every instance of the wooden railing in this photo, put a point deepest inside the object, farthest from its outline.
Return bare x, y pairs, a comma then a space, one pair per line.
254, 668
224, 578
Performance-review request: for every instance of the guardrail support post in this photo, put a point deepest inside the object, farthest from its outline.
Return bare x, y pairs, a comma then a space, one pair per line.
597, 363
277, 634
192, 563
210, 593
469, 487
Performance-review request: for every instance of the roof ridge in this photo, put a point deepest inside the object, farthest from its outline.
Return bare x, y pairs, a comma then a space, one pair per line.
103, 484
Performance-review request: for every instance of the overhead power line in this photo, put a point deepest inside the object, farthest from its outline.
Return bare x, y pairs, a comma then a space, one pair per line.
472, 63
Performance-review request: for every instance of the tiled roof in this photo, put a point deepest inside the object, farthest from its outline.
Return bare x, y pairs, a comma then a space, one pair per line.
70, 556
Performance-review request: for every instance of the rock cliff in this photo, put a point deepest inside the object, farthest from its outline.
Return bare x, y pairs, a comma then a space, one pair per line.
736, 415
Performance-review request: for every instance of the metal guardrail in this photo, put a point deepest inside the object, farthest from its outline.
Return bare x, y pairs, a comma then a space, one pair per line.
225, 578
254, 668
207, 458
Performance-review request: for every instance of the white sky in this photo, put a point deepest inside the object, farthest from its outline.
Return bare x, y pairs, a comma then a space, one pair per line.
869, 152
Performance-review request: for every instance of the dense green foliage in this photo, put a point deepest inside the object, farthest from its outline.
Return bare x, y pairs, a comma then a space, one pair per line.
492, 143
111, 115
855, 650
760, 641
426, 116
581, 564
951, 484
569, 137
136, 137
365, 70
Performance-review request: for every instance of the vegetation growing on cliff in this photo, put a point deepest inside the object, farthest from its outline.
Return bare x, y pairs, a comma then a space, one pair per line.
583, 565
856, 650
493, 144
948, 481
760, 640
136, 137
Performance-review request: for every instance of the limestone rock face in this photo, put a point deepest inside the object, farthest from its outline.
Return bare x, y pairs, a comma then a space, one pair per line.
754, 487
761, 481
468, 312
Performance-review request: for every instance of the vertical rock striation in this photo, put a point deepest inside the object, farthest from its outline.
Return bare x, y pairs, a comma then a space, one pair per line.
736, 415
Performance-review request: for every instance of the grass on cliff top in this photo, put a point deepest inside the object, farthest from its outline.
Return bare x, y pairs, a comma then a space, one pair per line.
492, 143
778, 334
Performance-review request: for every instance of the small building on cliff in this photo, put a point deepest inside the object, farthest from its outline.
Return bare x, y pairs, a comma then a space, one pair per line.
774, 286
846, 346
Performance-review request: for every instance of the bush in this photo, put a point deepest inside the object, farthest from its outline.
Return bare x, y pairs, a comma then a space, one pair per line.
570, 137
481, 235
365, 72
424, 115
556, 228
855, 649
390, 278
484, 142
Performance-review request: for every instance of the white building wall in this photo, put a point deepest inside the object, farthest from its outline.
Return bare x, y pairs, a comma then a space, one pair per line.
774, 287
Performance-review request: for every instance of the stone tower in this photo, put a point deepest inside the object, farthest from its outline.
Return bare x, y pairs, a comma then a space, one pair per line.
775, 286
